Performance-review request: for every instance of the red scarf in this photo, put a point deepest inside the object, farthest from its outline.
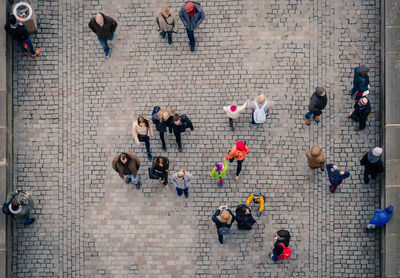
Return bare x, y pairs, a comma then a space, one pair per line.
191, 13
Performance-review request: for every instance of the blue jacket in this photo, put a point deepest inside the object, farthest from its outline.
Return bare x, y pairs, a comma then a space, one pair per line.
360, 82
382, 216
336, 180
194, 22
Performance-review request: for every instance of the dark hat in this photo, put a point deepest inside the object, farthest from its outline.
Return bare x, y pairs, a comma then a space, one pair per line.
363, 69
319, 90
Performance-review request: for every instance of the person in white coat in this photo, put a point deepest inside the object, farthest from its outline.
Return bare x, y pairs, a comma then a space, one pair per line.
233, 112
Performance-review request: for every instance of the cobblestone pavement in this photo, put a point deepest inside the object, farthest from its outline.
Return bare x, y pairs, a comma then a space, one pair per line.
73, 112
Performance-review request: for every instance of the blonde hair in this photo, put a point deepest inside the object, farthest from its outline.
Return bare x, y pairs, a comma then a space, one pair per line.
261, 99
181, 173
225, 217
165, 11
164, 114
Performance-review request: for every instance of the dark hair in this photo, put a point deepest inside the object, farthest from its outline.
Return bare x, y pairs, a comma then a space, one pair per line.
161, 160
123, 156
281, 233
278, 250
243, 210
15, 204
176, 117
142, 119
12, 19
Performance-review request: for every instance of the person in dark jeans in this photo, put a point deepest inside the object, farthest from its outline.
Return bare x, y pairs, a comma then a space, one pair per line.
159, 170
192, 15
179, 125
20, 209
19, 33
162, 119
318, 102
238, 152
244, 218
104, 27
362, 109
166, 23
223, 219
372, 163
360, 81
336, 177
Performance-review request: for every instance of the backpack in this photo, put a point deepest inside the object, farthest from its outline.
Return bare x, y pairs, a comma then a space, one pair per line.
223, 231
5, 209
286, 252
259, 113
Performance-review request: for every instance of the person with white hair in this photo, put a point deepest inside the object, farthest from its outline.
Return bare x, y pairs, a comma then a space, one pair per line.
104, 27
372, 164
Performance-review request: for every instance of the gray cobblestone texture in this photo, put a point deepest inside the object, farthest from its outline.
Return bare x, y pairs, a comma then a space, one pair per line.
73, 112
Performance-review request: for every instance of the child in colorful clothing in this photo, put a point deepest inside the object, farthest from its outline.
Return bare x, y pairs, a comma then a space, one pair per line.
238, 152
257, 198
219, 172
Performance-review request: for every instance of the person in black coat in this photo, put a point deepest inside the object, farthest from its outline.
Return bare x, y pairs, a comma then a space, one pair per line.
244, 218
104, 27
179, 125
362, 109
162, 119
360, 81
19, 33
159, 170
318, 102
223, 219
372, 163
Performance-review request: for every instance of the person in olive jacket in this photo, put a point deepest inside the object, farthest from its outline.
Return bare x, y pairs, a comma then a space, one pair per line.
20, 209
19, 33
223, 219
372, 163
244, 218
104, 27
362, 109
127, 166
179, 125
318, 102
192, 15
166, 23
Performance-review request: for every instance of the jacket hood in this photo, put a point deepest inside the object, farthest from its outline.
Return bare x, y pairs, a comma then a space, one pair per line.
316, 151
389, 209
372, 158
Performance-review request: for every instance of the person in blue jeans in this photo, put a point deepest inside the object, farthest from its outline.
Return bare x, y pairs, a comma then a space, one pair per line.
192, 15
317, 103
20, 209
19, 33
104, 27
181, 180
336, 177
127, 166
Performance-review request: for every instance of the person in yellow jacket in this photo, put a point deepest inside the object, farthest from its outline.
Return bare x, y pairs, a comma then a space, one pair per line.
257, 198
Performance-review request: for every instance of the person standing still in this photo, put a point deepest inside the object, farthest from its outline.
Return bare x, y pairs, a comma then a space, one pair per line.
127, 166
166, 23
104, 27
318, 102
19, 33
192, 15
181, 180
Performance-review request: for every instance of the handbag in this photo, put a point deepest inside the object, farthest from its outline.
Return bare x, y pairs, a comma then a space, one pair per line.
223, 231
152, 174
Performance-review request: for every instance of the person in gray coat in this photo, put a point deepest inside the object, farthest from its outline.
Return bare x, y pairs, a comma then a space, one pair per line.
192, 15
20, 209
181, 180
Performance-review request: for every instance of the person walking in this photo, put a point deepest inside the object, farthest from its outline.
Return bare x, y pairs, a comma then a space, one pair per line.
238, 152
361, 113
127, 166
192, 15
360, 82
316, 158
244, 218
181, 180
19, 209
159, 170
381, 217
281, 247
260, 110
233, 111
372, 164
20, 34
142, 131
219, 172
166, 23
162, 119
317, 103
179, 125
104, 27
258, 199
336, 177
223, 219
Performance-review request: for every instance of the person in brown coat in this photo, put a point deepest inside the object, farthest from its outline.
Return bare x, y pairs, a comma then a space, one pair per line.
316, 158
127, 165
166, 23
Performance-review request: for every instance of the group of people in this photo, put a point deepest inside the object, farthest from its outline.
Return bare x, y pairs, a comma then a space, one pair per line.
127, 164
